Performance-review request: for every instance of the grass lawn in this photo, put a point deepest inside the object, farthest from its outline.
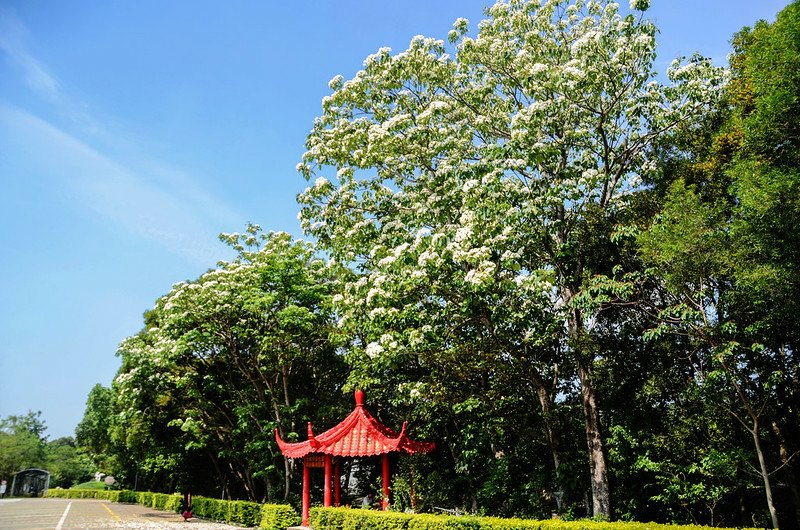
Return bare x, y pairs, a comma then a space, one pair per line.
91, 485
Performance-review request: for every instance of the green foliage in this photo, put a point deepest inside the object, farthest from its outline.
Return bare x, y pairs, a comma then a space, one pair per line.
278, 517
354, 519
224, 361
242, 513
214, 509
728, 248
478, 196
349, 519
766, 83
66, 464
83, 493
532, 248
93, 432
159, 501
22, 443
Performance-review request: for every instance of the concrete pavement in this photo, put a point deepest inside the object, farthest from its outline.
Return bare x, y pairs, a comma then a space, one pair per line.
73, 514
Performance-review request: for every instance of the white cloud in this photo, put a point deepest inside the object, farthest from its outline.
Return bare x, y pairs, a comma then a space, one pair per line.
144, 196
174, 212
13, 39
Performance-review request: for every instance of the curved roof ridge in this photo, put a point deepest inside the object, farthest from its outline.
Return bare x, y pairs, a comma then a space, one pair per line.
359, 434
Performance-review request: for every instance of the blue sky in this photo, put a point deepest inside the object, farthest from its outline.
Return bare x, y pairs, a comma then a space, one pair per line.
132, 133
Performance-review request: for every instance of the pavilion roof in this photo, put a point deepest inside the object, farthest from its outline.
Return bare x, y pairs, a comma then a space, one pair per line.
359, 434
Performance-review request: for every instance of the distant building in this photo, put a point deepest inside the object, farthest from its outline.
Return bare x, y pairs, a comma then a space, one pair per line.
30, 483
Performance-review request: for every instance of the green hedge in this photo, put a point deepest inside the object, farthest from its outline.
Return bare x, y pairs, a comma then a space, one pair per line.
158, 501
111, 495
278, 517
355, 519
243, 513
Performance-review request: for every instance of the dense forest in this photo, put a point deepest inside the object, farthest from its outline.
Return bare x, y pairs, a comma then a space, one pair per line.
578, 276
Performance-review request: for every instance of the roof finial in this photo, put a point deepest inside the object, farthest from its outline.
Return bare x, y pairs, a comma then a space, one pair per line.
359, 397
312, 440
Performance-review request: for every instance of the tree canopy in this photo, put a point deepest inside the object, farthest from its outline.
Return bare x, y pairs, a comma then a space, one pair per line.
580, 278
502, 172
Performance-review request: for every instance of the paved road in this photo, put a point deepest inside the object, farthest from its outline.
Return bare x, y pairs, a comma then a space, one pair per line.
71, 514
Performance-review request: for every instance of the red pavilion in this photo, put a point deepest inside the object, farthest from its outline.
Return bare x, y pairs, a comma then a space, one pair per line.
358, 435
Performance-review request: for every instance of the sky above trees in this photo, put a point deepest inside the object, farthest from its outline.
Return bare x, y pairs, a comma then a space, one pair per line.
133, 133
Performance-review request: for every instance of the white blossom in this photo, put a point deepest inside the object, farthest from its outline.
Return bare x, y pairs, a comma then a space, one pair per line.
336, 82
374, 349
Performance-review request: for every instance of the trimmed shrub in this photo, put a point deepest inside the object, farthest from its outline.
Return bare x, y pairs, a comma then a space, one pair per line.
209, 508
166, 502
111, 495
444, 522
278, 516
127, 496
496, 523
236, 512
243, 513
355, 519
144, 497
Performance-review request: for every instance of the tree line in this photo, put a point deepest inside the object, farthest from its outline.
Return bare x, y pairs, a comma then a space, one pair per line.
579, 279
24, 444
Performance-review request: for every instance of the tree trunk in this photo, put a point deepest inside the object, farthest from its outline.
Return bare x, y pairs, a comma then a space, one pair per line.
220, 474
287, 475
601, 493
601, 496
553, 439
288, 467
764, 474
791, 474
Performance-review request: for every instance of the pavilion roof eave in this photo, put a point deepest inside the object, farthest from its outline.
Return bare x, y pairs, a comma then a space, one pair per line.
358, 435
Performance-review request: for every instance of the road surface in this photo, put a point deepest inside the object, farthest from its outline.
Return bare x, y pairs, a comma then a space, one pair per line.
72, 514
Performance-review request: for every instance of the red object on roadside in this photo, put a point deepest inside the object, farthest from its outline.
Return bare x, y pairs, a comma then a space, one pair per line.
187, 505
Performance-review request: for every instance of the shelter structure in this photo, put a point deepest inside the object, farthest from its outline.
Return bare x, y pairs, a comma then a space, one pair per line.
30, 482
358, 435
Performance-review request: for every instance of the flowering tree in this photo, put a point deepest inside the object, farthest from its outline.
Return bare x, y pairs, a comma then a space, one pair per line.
492, 175
228, 358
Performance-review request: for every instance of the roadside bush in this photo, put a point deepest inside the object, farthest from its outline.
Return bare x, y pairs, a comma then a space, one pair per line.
278, 517
127, 496
355, 519
341, 518
111, 495
243, 513
235, 512
144, 497
445, 522
209, 508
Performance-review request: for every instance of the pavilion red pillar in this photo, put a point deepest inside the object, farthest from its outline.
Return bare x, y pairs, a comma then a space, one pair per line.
337, 484
385, 503
306, 488
327, 490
